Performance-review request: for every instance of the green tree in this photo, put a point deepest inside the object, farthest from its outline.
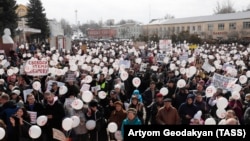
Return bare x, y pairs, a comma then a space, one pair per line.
36, 18
8, 16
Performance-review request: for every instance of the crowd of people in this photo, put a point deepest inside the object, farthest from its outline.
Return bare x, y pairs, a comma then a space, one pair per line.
111, 68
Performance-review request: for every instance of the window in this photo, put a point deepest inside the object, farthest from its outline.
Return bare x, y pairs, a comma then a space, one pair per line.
232, 26
188, 28
178, 29
199, 28
221, 26
246, 25
210, 27
193, 28
182, 28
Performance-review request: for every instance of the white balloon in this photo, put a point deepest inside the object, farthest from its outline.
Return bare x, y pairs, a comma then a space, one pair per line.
221, 113
41, 120
2, 133
77, 104
88, 79
235, 95
10, 72
248, 74
243, 79
63, 90
118, 135
112, 127
164, 91
136, 82
111, 71
1, 71
210, 90
87, 96
90, 124
236, 87
102, 94
35, 131
210, 121
76, 121
221, 103
67, 124
181, 83
36, 85
124, 75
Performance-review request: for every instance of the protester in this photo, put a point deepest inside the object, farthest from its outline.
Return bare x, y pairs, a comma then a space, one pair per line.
168, 115
132, 119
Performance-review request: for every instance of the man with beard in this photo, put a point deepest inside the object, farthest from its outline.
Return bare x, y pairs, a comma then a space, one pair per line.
55, 113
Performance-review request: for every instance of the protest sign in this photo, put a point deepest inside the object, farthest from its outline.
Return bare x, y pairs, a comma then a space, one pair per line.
25, 93
59, 135
49, 84
220, 81
37, 67
165, 45
125, 63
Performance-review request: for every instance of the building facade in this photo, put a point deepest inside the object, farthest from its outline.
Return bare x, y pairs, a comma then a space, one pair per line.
23, 30
102, 33
220, 26
129, 31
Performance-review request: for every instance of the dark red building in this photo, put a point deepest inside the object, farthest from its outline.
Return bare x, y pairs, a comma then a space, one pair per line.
101, 33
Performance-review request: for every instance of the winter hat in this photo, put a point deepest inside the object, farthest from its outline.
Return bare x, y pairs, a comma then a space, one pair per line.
132, 110
136, 92
190, 96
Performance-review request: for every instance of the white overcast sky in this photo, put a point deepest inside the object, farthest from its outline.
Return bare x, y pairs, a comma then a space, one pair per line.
139, 10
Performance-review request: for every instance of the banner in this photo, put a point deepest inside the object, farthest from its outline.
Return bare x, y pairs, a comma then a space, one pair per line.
165, 45
39, 67
220, 81
125, 63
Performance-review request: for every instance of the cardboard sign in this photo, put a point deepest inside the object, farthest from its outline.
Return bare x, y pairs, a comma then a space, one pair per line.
49, 84
220, 81
39, 67
59, 135
25, 93
165, 45
70, 76
33, 116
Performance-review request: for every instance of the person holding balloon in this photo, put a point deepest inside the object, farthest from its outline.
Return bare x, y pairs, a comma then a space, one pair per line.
95, 113
55, 113
117, 116
3, 135
20, 123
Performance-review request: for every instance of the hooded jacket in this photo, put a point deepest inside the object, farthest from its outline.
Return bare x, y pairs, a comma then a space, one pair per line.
187, 109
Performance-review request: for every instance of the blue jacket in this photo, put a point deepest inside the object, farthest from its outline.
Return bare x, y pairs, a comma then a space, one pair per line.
139, 96
126, 121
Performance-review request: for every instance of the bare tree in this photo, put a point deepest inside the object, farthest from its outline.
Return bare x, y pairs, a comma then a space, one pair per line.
248, 8
169, 16
225, 7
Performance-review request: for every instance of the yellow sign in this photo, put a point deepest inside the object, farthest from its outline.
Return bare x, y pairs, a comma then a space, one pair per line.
192, 46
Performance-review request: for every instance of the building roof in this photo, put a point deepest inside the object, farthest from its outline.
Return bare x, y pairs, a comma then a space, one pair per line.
217, 17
